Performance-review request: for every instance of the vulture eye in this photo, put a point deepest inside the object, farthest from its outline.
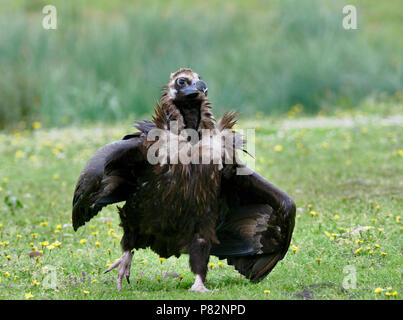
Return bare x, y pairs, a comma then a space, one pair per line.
181, 82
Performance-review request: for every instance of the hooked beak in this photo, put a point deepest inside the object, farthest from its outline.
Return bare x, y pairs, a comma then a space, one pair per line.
194, 89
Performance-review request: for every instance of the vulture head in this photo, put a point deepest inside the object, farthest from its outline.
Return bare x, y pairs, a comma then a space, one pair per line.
186, 85
184, 99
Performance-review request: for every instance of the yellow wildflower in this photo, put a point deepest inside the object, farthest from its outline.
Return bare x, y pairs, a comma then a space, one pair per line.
19, 154
29, 295
36, 125
56, 244
33, 158
266, 292
278, 148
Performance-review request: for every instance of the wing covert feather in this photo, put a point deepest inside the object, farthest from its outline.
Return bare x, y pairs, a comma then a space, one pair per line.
108, 177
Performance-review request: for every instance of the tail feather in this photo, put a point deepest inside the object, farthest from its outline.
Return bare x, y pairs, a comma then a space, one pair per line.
255, 268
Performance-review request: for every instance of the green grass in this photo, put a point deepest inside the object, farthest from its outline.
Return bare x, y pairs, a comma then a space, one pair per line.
108, 60
348, 168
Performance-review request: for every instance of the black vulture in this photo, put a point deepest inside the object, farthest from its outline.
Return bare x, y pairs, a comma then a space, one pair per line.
197, 207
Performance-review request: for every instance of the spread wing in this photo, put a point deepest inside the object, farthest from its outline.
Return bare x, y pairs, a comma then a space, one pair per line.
109, 177
257, 224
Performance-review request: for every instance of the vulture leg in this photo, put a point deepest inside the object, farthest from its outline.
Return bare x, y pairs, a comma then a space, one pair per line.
199, 255
123, 267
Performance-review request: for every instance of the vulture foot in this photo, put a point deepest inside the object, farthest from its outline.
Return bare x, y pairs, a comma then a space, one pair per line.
198, 286
123, 268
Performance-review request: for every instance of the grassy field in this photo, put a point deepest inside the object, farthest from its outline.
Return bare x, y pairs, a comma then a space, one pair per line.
345, 172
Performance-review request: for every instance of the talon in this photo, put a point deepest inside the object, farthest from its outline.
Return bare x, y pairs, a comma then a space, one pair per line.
123, 268
114, 265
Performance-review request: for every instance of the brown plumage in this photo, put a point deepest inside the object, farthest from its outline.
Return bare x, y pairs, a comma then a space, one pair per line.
177, 208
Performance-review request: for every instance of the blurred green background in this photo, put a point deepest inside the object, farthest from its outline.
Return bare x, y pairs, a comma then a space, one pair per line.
107, 60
